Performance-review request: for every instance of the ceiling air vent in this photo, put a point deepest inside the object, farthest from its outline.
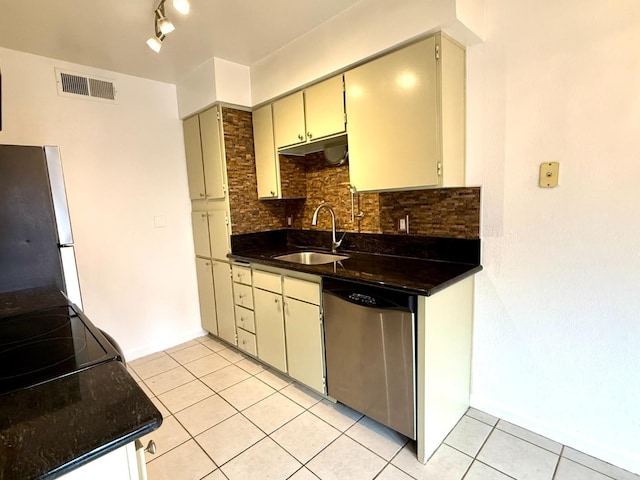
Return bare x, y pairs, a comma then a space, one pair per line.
73, 84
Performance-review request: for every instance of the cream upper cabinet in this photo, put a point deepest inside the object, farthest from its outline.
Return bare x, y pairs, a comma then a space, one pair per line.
218, 234
200, 227
267, 168
204, 151
406, 118
206, 296
225, 310
311, 114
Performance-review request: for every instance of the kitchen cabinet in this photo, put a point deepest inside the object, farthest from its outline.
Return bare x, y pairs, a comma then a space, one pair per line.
205, 155
269, 319
406, 118
303, 329
210, 234
243, 299
206, 296
311, 114
224, 301
124, 463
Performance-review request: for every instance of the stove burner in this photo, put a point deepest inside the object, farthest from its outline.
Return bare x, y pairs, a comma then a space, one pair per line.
16, 330
59, 351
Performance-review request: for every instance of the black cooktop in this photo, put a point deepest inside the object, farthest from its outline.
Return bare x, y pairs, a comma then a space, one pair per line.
46, 344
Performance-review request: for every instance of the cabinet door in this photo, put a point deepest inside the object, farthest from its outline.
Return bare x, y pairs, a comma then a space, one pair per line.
212, 156
206, 296
265, 151
218, 234
392, 115
270, 328
305, 354
324, 108
288, 120
224, 301
200, 226
193, 152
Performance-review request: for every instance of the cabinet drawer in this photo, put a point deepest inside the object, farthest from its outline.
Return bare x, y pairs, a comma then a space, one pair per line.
245, 320
241, 274
247, 342
242, 295
267, 281
302, 290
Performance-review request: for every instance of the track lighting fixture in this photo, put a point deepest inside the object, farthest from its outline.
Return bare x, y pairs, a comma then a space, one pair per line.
162, 25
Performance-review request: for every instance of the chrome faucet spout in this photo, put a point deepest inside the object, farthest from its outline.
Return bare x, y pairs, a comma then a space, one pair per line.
314, 221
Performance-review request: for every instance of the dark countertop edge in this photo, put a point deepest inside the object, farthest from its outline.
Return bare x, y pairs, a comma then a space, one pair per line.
100, 451
309, 269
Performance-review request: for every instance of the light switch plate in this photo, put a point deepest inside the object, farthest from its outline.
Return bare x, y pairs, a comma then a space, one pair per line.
549, 172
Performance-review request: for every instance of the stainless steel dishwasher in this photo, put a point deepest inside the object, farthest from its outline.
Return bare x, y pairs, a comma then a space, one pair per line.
370, 351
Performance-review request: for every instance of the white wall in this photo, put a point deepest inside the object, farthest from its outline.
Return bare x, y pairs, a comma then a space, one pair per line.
557, 322
124, 165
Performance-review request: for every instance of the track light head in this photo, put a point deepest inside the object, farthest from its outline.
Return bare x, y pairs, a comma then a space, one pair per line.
162, 25
182, 6
155, 43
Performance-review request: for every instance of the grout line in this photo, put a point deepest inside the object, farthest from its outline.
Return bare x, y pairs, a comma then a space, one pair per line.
555, 470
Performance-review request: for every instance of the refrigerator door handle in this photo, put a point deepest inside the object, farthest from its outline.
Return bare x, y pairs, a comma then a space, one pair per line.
58, 195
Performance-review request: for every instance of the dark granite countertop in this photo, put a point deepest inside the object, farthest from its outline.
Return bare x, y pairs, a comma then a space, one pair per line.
52, 428
447, 260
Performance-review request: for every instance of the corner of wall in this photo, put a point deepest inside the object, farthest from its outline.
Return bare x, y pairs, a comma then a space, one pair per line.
197, 90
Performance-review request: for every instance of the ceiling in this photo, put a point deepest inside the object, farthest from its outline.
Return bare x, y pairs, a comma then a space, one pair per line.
112, 34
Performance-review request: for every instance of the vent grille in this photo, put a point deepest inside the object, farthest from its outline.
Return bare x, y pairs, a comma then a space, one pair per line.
93, 88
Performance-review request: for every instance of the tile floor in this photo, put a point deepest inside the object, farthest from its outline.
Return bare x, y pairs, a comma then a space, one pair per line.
227, 416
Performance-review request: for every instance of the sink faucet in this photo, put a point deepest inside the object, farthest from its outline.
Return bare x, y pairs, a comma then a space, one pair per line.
314, 221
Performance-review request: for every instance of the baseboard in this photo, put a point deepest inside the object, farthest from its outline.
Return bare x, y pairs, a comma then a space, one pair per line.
163, 344
626, 460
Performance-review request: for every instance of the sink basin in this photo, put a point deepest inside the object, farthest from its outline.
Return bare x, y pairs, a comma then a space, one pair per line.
311, 258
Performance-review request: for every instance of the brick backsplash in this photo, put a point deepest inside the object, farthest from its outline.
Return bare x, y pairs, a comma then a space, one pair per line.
444, 212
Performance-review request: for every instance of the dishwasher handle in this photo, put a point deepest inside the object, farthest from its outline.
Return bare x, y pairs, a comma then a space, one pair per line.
372, 297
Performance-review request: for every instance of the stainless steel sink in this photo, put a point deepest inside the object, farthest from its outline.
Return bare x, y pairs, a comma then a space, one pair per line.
311, 258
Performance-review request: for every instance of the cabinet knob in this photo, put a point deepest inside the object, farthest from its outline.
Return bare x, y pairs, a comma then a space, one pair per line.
300, 136
309, 135
203, 195
276, 300
151, 447
241, 295
273, 194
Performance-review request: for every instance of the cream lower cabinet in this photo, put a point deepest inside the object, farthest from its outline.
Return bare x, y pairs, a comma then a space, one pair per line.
269, 319
243, 298
125, 463
206, 295
224, 301
303, 329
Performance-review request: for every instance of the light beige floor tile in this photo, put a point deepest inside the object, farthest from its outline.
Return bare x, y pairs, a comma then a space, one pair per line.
168, 436
191, 353
570, 470
273, 412
133, 374
274, 379
305, 436
214, 344
468, 435
155, 367
346, 459
169, 380
301, 395
376, 437
229, 438
251, 366
480, 471
336, 414
517, 458
265, 460
393, 473
231, 354
206, 365
529, 436
483, 417
147, 358
185, 395
246, 393
598, 465
205, 414
160, 406
186, 462
225, 377
445, 464
303, 474
217, 475
182, 346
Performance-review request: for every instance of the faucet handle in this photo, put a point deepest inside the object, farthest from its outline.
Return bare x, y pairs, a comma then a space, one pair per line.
339, 242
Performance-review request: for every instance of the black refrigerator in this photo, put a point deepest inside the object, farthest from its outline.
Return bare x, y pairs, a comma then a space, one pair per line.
36, 243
